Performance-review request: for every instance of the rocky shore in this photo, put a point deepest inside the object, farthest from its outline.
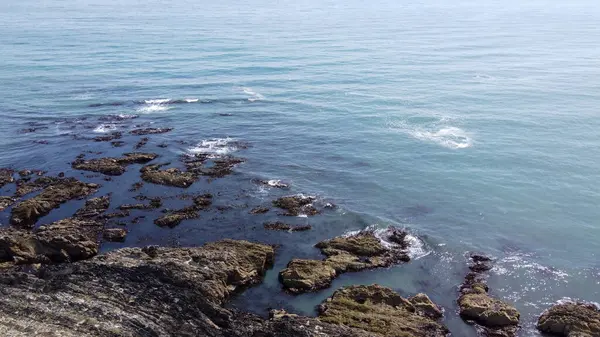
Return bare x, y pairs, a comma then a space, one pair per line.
55, 282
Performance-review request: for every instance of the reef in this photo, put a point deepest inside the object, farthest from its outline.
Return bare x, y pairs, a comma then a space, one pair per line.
296, 205
281, 226
169, 177
112, 166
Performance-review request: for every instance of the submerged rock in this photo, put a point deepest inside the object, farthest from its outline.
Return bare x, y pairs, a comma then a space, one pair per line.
141, 143
117, 143
66, 240
113, 166
136, 186
25, 186
149, 131
494, 317
94, 207
153, 204
169, 177
109, 137
382, 311
174, 218
296, 205
571, 319
259, 210
26, 213
221, 167
344, 254
6, 201
280, 226
6, 176
272, 183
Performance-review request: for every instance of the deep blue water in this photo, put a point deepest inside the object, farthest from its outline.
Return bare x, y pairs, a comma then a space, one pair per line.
475, 125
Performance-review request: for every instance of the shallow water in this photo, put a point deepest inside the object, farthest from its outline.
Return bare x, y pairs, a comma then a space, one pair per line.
472, 124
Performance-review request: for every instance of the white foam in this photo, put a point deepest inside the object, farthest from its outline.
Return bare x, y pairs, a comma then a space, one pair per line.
153, 108
277, 183
216, 146
105, 128
157, 101
256, 96
191, 100
416, 247
509, 264
438, 131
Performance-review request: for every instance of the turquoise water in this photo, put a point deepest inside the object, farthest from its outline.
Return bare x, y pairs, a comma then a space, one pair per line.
472, 124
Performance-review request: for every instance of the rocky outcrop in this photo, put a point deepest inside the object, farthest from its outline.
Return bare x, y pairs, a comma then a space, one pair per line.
153, 203
110, 137
360, 251
112, 166
94, 207
6, 176
169, 177
281, 226
296, 205
6, 201
571, 319
494, 317
26, 213
149, 131
259, 210
26, 186
138, 292
382, 311
174, 218
114, 234
141, 143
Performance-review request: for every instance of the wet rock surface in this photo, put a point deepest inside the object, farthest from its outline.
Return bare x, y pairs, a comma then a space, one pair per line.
174, 218
281, 226
351, 253
493, 317
296, 205
26, 186
153, 203
149, 131
110, 137
6, 176
114, 234
259, 210
112, 166
571, 319
94, 207
141, 143
6, 201
380, 310
170, 177
26, 213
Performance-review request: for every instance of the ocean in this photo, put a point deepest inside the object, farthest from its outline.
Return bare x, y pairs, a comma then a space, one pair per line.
472, 124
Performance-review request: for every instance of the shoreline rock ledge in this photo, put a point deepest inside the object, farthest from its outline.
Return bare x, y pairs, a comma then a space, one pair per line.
154, 291
571, 319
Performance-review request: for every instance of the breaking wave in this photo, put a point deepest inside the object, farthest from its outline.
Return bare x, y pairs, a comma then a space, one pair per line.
216, 146
416, 247
105, 128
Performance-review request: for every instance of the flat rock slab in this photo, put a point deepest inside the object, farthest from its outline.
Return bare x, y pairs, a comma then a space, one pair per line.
113, 166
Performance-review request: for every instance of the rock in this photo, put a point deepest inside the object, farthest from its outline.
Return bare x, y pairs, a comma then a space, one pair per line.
6, 176
94, 207
382, 311
163, 145
6, 202
280, 226
494, 317
149, 131
25, 186
140, 292
221, 167
344, 254
114, 235
571, 319
62, 241
169, 177
117, 143
296, 205
141, 143
112, 166
259, 210
26, 213
122, 214
109, 137
153, 204
279, 314
34, 129
174, 218
272, 183
136, 186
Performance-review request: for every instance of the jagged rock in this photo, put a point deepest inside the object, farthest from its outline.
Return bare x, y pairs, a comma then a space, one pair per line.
112, 166
109, 137
259, 210
6, 176
344, 254
94, 207
296, 205
382, 311
494, 317
25, 186
114, 234
221, 167
26, 213
571, 320
281, 226
169, 177
153, 204
174, 218
149, 131
138, 292
6, 202
66, 240
141, 143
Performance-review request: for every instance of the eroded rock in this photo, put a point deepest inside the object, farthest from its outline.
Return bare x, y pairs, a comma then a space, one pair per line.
296, 205
141, 143
169, 177
6, 176
259, 210
26, 213
382, 311
351, 253
154, 203
112, 166
6, 201
281, 226
114, 234
107, 138
149, 131
26, 186
571, 319
94, 207
174, 218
